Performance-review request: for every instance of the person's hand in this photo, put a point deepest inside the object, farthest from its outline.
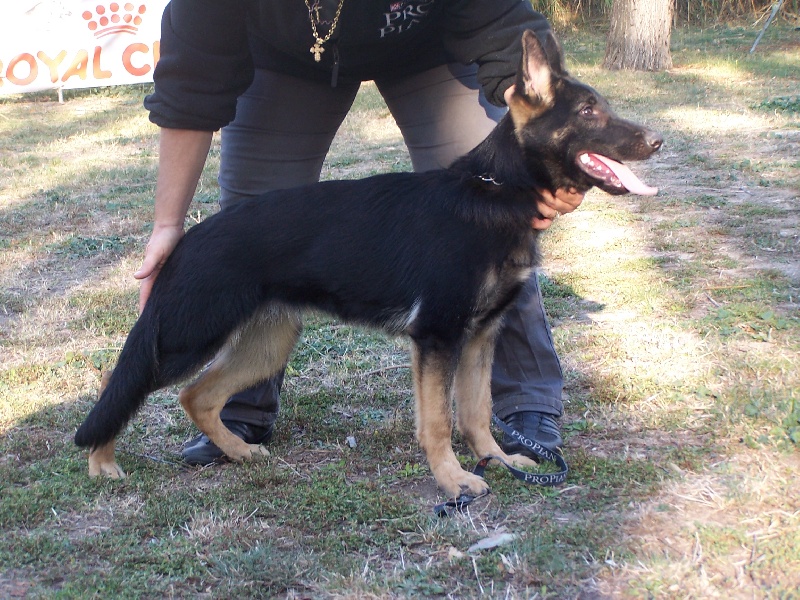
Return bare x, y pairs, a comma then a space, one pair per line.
552, 205
162, 242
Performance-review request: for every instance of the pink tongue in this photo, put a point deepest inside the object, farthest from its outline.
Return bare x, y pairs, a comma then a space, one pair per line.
631, 182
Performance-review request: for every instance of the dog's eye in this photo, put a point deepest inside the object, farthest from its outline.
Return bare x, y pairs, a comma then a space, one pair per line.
587, 111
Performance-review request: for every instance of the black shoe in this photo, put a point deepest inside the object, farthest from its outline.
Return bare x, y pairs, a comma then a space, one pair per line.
202, 451
536, 426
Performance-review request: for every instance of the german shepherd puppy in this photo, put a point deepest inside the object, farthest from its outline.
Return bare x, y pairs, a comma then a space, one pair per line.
437, 256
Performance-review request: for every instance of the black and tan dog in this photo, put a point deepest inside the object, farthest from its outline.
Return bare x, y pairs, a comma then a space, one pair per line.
437, 256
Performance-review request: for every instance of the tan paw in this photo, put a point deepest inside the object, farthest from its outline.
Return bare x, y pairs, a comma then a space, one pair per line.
109, 469
258, 451
242, 452
102, 462
457, 482
520, 460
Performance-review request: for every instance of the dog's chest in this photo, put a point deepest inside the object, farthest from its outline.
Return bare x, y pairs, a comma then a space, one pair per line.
501, 283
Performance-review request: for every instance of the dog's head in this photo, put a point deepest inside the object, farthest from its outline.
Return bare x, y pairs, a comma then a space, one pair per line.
569, 127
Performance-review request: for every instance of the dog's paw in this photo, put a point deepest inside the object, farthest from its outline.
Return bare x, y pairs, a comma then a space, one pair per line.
520, 460
257, 451
102, 462
108, 469
459, 482
241, 451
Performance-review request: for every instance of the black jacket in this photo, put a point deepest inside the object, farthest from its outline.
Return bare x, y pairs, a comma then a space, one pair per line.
209, 48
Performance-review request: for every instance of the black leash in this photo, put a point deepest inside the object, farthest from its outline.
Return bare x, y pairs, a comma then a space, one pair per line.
445, 509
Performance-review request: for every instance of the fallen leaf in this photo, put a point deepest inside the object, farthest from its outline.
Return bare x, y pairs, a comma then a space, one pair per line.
493, 541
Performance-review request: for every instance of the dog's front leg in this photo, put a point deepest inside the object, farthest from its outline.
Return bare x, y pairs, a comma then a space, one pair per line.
474, 398
433, 386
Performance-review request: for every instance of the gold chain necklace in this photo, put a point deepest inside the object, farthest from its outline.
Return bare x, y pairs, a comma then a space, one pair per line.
313, 16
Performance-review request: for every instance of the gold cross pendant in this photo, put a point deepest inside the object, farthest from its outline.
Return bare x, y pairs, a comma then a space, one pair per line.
317, 49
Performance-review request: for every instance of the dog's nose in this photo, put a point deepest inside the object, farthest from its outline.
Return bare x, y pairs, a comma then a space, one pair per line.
653, 140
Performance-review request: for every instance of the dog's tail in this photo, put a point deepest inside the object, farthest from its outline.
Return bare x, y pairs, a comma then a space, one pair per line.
166, 345
127, 387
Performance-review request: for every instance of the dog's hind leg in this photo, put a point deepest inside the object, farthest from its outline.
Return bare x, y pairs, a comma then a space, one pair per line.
255, 352
102, 462
101, 458
474, 398
433, 388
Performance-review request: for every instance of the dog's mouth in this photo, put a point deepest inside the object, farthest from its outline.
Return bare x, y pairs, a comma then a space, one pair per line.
616, 178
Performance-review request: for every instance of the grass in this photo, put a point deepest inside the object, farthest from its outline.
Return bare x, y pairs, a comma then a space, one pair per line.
676, 318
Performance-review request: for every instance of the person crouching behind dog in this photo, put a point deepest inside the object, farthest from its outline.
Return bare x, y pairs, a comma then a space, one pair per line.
279, 78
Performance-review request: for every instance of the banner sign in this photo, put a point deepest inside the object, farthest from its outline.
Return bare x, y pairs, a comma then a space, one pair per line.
68, 44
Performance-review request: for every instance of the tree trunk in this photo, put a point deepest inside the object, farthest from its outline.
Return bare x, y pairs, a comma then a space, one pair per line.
639, 36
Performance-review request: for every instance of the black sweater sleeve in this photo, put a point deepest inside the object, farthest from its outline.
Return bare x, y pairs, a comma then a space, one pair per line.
205, 64
493, 43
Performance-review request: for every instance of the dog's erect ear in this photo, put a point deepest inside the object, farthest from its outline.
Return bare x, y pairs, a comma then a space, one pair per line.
534, 91
554, 55
535, 76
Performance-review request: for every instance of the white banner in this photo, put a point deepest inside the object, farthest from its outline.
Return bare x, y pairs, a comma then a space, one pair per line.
51, 44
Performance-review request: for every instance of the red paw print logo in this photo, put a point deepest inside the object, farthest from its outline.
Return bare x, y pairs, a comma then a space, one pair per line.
115, 18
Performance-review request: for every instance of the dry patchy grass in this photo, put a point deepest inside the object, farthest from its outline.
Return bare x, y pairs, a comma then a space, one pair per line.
676, 319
